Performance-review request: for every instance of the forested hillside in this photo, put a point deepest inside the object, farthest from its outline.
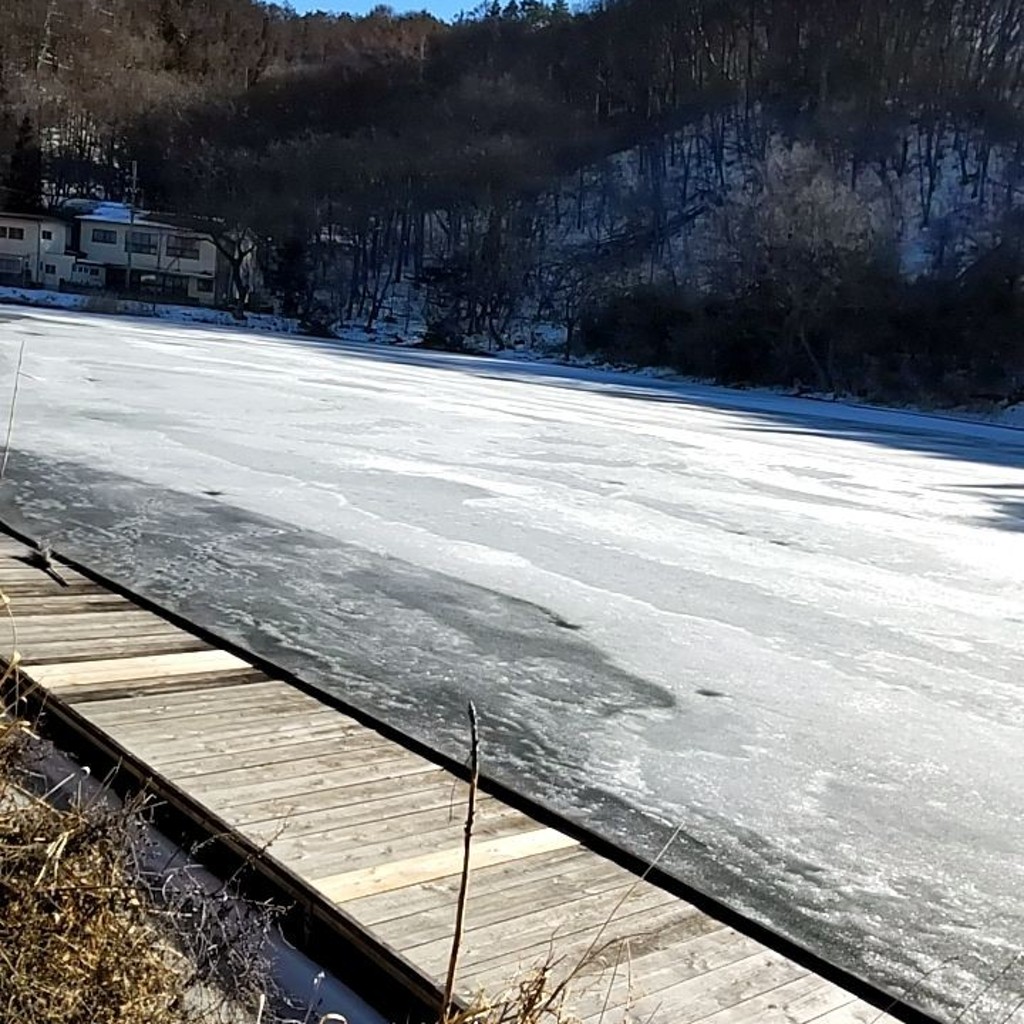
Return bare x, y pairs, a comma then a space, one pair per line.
754, 190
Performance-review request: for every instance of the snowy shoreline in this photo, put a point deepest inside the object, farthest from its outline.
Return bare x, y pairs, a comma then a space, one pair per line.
1011, 417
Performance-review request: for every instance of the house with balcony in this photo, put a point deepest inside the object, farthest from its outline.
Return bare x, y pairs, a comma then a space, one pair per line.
151, 258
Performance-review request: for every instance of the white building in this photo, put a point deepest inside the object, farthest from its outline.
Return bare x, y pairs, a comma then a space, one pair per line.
37, 250
91, 245
149, 257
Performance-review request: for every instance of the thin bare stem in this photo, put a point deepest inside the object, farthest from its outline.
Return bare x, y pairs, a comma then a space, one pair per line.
14, 405
460, 910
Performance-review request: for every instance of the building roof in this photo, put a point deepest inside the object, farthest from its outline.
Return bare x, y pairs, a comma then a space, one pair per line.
35, 218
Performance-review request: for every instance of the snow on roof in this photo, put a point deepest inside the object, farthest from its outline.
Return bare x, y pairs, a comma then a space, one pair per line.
114, 213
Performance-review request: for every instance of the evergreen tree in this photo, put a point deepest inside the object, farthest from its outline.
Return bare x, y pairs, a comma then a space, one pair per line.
24, 183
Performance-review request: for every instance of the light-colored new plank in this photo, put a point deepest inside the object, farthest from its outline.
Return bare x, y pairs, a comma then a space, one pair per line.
416, 870
117, 669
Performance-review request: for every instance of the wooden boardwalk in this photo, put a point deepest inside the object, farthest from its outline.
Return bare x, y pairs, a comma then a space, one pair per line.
377, 829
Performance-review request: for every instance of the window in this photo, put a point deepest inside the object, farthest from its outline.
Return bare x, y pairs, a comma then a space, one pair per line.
47, 235
183, 247
3, 232
51, 268
10, 265
16, 234
204, 285
104, 236
94, 272
140, 241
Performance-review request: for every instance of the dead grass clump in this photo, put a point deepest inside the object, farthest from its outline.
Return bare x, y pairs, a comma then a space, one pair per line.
531, 999
90, 935
78, 941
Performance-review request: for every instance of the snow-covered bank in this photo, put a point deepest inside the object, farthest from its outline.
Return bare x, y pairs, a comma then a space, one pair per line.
547, 353
104, 305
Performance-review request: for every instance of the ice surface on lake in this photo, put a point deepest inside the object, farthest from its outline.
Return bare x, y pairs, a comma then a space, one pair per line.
796, 628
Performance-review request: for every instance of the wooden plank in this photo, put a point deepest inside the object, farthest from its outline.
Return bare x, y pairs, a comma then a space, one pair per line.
73, 651
242, 709
356, 846
795, 1002
379, 908
548, 929
66, 604
261, 786
590, 951
74, 583
653, 972
91, 625
129, 689
224, 753
349, 885
857, 1012
358, 851
159, 666
202, 703
163, 742
707, 994
363, 804
44, 586
310, 744
549, 898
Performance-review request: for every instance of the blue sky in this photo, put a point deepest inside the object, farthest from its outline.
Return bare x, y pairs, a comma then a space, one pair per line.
441, 8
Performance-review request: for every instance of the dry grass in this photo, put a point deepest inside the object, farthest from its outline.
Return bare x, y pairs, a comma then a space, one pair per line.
84, 936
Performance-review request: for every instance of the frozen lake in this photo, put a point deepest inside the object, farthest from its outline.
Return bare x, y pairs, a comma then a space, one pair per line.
794, 628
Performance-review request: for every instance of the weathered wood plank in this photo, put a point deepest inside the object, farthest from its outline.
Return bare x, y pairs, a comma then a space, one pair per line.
795, 1002
223, 712
164, 742
550, 899
584, 916
656, 970
358, 846
90, 625
262, 786
73, 651
361, 805
729, 986
856, 1012
305, 744
173, 707
590, 951
349, 885
66, 604
380, 908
